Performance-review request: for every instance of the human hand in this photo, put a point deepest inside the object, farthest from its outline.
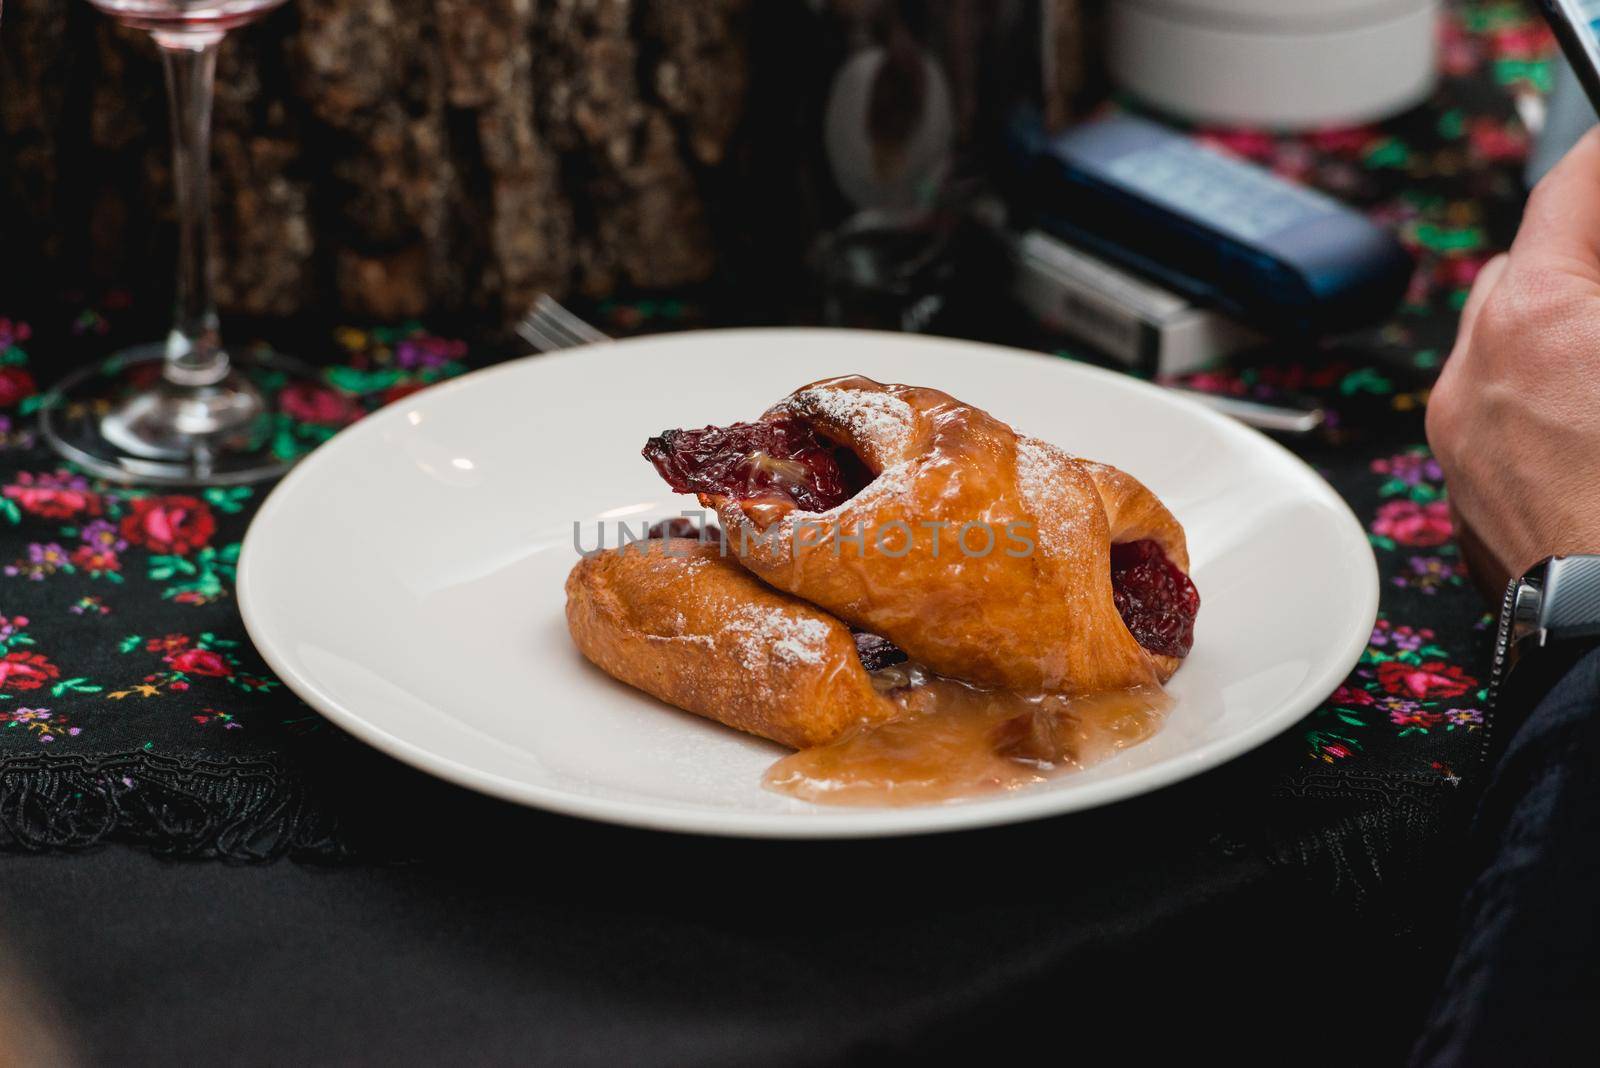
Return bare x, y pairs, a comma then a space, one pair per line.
1515, 417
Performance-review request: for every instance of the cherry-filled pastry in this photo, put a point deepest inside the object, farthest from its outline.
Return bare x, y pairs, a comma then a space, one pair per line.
923, 601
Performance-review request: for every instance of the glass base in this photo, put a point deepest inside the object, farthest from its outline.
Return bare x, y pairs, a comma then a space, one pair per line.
122, 420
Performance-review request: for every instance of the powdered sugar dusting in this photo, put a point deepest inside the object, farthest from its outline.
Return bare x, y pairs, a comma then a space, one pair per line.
761, 632
869, 416
1046, 495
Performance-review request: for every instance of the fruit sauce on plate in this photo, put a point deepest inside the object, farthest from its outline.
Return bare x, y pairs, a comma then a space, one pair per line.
956, 740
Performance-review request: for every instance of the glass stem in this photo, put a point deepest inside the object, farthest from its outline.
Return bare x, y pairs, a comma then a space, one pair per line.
195, 356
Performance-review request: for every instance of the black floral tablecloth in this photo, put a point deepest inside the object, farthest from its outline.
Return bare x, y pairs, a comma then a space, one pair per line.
132, 706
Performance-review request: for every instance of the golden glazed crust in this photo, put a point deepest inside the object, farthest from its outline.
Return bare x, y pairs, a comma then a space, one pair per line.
1035, 612
680, 621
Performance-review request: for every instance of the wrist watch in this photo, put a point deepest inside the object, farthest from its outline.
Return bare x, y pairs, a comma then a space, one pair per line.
1550, 617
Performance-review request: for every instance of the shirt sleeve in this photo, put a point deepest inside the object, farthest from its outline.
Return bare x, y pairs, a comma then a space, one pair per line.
1524, 985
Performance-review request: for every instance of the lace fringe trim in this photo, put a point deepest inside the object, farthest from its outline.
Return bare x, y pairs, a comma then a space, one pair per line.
177, 806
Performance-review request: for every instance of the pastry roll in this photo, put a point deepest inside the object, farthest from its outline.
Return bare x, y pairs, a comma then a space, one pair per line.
986, 555
678, 620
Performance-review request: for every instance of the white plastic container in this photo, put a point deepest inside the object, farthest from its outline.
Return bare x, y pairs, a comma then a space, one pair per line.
1279, 63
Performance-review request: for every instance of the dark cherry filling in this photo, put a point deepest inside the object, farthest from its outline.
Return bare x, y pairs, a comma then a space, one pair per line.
1154, 597
875, 652
782, 459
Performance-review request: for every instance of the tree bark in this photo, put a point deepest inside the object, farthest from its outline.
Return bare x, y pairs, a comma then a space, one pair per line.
399, 156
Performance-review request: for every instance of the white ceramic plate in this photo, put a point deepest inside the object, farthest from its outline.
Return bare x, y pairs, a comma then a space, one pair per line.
406, 579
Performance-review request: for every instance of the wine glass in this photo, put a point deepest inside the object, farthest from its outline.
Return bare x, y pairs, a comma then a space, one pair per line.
183, 411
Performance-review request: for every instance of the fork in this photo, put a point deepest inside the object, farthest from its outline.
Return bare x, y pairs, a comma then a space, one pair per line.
550, 327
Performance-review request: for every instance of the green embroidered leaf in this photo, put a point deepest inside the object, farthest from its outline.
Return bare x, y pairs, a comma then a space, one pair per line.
130, 643
1423, 493
271, 381
77, 685
388, 335
165, 566
229, 499
1390, 152
1536, 72
1364, 380
1392, 487
352, 380
1449, 238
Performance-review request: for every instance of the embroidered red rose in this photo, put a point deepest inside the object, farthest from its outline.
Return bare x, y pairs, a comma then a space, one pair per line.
15, 385
1415, 717
1491, 141
1347, 140
1410, 523
200, 662
1351, 697
57, 496
176, 524
26, 671
92, 558
170, 644
1425, 682
319, 405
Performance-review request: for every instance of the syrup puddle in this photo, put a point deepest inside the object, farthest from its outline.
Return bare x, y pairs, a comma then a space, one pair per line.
957, 740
